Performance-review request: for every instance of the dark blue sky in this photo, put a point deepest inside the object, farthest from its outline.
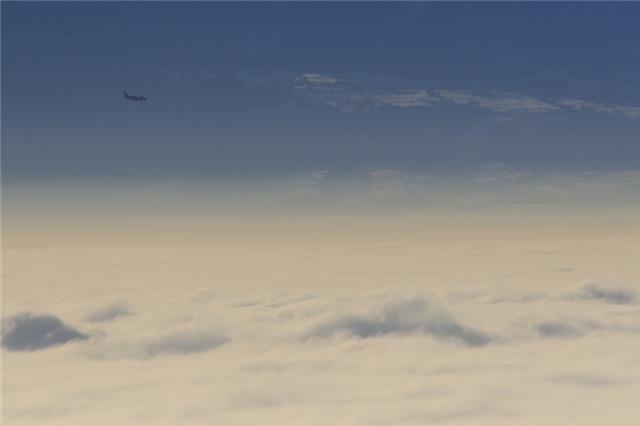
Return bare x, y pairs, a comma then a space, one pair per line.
255, 89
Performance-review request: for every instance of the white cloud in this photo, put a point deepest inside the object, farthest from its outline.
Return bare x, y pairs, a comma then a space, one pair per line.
500, 102
630, 111
109, 312
580, 104
407, 99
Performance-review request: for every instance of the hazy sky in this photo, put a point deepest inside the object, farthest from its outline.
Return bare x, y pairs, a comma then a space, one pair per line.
358, 214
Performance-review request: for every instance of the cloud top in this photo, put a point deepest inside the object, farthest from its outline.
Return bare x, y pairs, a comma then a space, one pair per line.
109, 313
28, 332
557, 329
609, 295
183, 343
411, 316
148, 345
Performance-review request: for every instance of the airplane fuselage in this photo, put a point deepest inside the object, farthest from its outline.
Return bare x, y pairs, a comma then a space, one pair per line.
134, 98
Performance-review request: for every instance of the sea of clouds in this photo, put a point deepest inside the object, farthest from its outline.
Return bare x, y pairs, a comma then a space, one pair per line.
377, 358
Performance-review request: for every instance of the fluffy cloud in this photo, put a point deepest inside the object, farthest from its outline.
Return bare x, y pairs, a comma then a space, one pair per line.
109, 313
28, 332
411, 316
144, 346
609, 295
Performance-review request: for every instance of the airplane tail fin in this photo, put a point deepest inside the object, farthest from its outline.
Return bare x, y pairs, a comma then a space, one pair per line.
126, 95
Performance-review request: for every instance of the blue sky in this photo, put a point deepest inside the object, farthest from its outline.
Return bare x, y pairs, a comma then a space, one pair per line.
274, 88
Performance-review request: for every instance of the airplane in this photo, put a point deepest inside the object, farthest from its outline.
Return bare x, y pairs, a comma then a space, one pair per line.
134, 98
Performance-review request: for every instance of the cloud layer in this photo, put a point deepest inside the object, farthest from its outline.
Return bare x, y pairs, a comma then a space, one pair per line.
369, 358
